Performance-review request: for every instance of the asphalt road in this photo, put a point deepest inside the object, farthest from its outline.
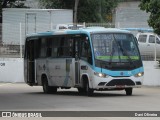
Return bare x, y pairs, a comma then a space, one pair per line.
21, 97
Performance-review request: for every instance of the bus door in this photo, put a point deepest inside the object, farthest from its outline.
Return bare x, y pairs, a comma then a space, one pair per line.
85, 56
82, 53
60, 61
77, 62
31, 62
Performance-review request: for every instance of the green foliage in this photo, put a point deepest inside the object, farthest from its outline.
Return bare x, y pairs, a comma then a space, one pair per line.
57, 4
1, 12
152, 7
88, 10
1, 5
95, 10
13, 4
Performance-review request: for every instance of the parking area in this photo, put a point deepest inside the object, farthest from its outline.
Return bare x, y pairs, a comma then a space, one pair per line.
21, 97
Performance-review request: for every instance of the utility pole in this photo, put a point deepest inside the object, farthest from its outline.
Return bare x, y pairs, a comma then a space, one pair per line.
75, 11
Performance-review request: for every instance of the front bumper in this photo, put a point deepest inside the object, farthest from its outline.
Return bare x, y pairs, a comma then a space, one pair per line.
117, 83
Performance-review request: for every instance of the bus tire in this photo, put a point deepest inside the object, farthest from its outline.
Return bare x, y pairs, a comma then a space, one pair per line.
89, 91
46, 88
129, 91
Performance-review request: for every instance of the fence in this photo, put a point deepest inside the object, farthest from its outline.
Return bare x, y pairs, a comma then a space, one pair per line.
11, 51
13, 36
12, 41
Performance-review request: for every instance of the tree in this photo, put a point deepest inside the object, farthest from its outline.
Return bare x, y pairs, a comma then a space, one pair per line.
84, 10
75, 11
152, 7
96, 10
11, 4
1, 12
62, 4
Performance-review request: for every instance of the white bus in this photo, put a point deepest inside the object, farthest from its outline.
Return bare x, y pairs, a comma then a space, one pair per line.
88, 59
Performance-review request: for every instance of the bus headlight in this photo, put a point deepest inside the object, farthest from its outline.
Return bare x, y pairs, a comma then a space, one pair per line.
103, 75
139, 74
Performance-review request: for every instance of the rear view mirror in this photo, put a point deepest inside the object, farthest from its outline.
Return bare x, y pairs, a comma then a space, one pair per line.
136, 40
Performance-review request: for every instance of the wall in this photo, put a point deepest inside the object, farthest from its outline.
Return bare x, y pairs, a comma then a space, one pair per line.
129, 15
17, 23
11, 70
151, 73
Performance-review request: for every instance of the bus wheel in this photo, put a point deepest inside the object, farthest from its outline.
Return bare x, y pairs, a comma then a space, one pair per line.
128, 91
47, 89
89, 91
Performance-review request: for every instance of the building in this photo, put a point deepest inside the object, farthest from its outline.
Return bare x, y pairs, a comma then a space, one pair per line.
129, 15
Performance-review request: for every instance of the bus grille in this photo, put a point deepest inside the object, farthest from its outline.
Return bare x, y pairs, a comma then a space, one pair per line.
127, 82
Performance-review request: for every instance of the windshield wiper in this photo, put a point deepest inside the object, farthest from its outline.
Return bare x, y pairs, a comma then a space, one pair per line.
117, 45
124, 52
111, 56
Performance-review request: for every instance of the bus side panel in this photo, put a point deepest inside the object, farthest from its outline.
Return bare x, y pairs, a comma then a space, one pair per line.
60, 72
86, 69
40, 69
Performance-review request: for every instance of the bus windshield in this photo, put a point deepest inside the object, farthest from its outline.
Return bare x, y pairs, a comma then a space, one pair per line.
115, 47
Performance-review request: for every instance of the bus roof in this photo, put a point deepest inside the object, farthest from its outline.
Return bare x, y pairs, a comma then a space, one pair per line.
87, 30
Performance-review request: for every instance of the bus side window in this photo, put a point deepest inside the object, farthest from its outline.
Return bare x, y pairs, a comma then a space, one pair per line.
66, 47
83, 51
43, 48
49, 52
70, 47
60, 48
89, 55
86, 53
32, 48
49, 47
30, 52
55, 46
37, 48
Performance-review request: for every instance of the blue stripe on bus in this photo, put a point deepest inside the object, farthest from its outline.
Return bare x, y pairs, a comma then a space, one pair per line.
118, 73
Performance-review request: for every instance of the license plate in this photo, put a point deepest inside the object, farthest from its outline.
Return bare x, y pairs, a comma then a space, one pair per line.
120, 86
